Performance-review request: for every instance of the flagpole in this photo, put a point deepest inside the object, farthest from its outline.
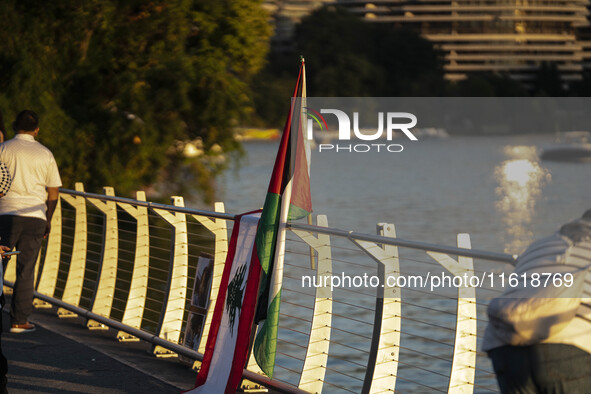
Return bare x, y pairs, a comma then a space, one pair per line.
304, 126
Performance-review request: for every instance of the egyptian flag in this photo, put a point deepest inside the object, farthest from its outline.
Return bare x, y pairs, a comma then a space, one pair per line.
288, 198
228, 342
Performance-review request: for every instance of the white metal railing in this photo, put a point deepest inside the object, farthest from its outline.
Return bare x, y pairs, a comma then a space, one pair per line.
129, 264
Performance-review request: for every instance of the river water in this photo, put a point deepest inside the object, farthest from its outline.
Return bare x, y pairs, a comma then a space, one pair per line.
493, 187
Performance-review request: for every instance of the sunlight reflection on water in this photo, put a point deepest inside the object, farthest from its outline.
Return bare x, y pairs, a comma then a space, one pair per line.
520, 179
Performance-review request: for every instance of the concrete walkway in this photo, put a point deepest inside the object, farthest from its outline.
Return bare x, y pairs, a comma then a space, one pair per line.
63, 356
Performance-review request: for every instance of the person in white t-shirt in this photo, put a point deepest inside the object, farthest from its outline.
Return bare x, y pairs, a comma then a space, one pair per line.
27, 209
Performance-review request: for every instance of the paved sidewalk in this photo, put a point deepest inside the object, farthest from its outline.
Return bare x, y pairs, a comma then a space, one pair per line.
63, 356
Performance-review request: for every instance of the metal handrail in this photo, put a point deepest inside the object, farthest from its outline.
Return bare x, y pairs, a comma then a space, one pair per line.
151, 205
474, 253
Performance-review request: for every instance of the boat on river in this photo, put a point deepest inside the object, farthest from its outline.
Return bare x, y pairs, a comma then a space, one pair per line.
573, 146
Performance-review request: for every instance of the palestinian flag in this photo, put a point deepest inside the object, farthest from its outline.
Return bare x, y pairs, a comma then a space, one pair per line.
288, 198
228, 342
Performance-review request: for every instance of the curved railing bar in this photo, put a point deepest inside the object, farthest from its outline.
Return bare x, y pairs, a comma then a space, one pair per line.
152, 205
474, 253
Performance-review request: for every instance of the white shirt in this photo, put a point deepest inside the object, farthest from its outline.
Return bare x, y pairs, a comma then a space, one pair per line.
33, 168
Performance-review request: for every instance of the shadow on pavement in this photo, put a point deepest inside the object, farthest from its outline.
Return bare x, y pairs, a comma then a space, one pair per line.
63, 356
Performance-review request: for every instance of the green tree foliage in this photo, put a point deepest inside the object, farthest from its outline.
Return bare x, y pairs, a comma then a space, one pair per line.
487, 85
583, 87
118, 84
348, 57
548, 81
374, 59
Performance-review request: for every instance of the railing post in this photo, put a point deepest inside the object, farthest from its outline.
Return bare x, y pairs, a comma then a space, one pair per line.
37, 266
75, 280
463, 367
48, 278
103, 299
173, 311
382, 366
219, 228
314, 369
138, 288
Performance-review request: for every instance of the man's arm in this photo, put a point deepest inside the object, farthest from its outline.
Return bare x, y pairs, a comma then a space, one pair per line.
52, 196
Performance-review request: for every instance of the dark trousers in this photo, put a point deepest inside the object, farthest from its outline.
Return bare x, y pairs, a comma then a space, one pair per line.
26, 234
542, 368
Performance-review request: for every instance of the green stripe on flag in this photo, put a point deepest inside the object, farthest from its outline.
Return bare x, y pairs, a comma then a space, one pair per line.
296, 212
267, 232
266, 240
265, 344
